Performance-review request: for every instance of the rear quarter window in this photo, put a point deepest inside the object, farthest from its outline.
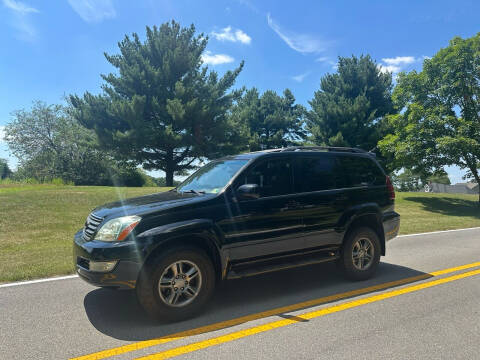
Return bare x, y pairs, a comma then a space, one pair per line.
360, 171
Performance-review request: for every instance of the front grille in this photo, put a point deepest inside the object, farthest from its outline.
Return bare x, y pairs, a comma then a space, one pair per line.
91, 226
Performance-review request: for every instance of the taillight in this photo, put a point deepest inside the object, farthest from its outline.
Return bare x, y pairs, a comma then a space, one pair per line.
391, 190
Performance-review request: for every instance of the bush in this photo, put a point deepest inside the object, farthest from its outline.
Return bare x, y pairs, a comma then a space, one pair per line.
160, 181
5, 171
59, 181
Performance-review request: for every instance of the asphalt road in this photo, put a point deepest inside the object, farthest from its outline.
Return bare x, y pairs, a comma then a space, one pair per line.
422, 314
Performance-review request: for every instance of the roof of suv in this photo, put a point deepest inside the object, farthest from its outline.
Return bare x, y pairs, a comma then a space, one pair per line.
303, 149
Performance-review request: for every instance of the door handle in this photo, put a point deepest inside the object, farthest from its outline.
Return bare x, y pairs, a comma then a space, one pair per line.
293, 204
290, 205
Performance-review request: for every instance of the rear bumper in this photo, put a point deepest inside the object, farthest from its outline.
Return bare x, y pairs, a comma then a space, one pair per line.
391, 225
123, 275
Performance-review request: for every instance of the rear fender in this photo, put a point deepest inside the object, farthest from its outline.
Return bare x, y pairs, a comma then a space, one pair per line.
368, 214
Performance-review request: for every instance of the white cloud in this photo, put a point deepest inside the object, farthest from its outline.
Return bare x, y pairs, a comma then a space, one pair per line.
242, 37
216, 59
399, 60
21, 20
396, 64
249, 5
323, 59
327, 60
2, 133
303, 43
93, 10
299, 78
19, 7
389, 68
234, 36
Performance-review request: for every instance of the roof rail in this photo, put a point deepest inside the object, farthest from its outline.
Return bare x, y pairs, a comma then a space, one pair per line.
323, 148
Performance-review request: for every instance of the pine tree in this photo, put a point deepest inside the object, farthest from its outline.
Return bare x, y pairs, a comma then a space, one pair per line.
273, 121
162, 109
349, 107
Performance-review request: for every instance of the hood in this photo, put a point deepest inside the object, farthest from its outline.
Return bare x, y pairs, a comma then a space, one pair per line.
147, 204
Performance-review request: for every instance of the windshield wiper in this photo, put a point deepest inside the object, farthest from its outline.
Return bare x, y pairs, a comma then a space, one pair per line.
194, 192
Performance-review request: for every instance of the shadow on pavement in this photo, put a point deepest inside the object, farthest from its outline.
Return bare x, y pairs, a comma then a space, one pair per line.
118, 314
448, 206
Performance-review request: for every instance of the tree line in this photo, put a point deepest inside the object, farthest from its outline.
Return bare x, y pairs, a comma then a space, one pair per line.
163, 109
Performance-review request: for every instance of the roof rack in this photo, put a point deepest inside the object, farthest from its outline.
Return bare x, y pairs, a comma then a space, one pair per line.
324, 148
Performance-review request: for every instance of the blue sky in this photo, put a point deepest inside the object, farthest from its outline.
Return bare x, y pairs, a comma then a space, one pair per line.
54, 48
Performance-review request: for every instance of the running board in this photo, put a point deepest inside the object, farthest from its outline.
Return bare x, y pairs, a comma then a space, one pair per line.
240, 270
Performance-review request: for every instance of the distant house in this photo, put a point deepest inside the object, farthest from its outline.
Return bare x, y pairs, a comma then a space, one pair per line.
459, 188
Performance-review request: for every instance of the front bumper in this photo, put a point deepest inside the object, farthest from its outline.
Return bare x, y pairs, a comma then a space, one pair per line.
391, 225
123, 275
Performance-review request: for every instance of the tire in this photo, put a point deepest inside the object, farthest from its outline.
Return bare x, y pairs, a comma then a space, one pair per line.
173, 301
351, 259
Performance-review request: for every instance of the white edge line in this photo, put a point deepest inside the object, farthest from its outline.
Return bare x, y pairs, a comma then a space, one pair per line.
39, 281
76, 276
438, 232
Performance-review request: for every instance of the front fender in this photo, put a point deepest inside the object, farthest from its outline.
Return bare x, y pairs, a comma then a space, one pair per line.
203, 230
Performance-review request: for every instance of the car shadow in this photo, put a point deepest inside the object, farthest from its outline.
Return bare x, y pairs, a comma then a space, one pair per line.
448, 206
119, 315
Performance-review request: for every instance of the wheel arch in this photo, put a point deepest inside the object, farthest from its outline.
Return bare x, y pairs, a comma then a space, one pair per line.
372, 220
197, 233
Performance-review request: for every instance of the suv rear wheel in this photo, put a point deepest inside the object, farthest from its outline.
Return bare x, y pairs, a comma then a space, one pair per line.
177, 284
360, 254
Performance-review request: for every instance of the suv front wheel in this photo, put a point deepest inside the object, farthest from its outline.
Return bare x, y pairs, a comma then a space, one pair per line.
360, 254
177, 284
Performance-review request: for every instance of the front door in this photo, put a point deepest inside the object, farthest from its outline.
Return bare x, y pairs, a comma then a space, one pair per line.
270, 224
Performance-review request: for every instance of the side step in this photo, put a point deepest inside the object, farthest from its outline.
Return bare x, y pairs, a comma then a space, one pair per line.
261, 267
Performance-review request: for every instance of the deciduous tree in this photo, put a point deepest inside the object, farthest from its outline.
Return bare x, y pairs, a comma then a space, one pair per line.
50, 144
440, 119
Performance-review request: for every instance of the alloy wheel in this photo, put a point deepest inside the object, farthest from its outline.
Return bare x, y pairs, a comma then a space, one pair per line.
180, 283
363, 253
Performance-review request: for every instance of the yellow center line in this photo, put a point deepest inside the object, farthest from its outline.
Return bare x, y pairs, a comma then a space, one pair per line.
243, 319
181, 350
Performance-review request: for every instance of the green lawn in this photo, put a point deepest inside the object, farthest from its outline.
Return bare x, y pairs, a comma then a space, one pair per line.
37, 222
423, 212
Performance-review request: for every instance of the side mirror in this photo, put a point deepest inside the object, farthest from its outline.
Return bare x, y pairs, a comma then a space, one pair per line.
248, 192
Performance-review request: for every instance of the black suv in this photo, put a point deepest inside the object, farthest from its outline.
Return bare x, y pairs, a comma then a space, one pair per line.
240, 216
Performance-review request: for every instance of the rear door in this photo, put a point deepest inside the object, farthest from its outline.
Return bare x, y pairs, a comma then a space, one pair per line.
321, 196
270, 224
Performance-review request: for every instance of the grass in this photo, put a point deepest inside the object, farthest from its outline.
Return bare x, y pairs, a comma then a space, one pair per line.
424, 212
37, 222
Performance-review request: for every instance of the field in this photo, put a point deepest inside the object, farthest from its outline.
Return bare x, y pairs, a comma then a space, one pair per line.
37, 222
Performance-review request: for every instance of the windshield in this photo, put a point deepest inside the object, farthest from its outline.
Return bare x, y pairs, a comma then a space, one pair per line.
212, 177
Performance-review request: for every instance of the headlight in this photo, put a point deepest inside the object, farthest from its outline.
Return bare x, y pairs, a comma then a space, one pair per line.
117, 229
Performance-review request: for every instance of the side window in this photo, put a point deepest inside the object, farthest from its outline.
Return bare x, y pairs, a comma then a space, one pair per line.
315, 173
274, 177
361, 171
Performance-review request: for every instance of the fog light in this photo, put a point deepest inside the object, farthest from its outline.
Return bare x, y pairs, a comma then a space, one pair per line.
102, 266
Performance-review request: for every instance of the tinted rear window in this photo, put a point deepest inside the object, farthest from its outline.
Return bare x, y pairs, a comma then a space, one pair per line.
360, 171
315, 173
